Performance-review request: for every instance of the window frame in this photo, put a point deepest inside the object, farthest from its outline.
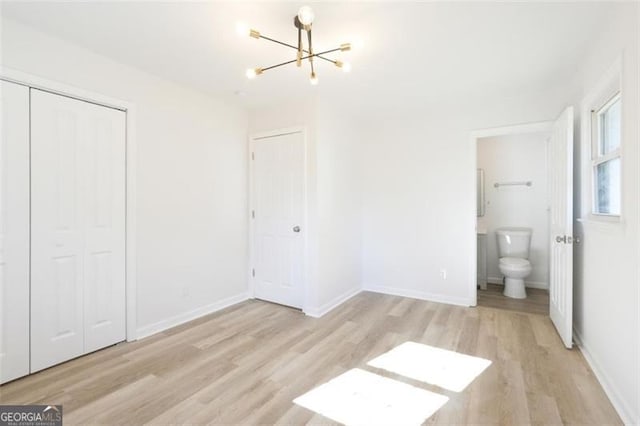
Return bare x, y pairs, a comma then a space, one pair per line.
603, 90
598, 158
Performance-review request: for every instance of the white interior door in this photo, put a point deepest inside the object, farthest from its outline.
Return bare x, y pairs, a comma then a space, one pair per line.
78, 228
561, 230
278, 202
14, 232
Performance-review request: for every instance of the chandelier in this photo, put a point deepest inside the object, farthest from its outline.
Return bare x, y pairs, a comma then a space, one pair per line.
303, 22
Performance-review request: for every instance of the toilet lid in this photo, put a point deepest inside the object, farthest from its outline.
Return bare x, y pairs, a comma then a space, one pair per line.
514, 261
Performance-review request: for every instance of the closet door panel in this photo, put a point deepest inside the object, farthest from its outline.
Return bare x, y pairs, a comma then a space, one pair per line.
78, 226
57, 226
104, 297
14, 232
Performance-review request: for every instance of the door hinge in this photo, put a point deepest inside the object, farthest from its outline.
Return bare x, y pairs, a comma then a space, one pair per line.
253, 156
253, 272
253, 214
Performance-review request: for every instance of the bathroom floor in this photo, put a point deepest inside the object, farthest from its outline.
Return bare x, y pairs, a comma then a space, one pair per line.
537, 301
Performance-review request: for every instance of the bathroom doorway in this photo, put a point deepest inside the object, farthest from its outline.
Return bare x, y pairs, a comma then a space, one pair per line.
512, 218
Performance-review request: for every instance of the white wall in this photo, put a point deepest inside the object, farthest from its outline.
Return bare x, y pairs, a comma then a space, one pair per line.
606, 276
419, 194
339, 187
333, 197
191, 177
516, 158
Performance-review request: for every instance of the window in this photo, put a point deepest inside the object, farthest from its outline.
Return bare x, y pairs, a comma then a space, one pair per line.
606, 158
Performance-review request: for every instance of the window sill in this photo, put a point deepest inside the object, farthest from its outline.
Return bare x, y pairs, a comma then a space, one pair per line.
602, 224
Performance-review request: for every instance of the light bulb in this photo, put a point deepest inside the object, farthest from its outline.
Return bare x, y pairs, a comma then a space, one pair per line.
242, 29
346, 67
357, 43
253, 72
305, 15
314, 79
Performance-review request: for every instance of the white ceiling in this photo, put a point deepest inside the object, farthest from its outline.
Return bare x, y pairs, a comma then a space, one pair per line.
412, 52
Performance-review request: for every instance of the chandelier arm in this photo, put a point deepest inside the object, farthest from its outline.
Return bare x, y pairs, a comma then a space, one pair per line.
313, 72
279, 42
279, 65
326, 59
299, 53
325, 52
317, 55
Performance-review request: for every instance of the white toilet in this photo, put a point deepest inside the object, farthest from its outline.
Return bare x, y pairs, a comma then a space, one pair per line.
513, 250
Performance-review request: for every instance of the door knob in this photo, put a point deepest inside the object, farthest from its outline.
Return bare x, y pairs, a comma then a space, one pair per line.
296, 229
564, 239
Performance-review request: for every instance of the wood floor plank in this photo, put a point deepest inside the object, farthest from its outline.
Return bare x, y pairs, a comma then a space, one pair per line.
246, 365
536, 302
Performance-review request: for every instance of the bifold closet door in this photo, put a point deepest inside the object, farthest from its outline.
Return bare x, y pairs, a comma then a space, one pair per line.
77, 228
14, 232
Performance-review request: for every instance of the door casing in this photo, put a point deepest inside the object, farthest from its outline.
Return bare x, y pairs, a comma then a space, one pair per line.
538, 127
253, 138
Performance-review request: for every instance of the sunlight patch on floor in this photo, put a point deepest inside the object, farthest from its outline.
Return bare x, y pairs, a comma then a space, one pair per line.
358, 397
447, 369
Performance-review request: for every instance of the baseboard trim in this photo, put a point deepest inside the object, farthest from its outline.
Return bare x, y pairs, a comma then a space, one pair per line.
176, 320
624, 411
327, 307
530, 284
537, 284
420, 295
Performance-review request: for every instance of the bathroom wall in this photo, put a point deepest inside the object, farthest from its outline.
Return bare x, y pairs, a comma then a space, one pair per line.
509, 159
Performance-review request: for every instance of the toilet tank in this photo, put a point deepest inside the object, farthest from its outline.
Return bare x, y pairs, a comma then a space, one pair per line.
514, 242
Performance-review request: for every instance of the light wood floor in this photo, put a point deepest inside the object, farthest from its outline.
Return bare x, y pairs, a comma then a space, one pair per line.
537, 301
245, 365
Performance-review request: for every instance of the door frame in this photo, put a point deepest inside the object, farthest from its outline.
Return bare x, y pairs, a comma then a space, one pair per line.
129, 108
253, 138
536, 127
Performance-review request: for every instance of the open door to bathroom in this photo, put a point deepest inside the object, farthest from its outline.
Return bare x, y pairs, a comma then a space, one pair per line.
561, 226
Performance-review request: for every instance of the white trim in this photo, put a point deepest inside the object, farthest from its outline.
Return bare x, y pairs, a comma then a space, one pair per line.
179, 319
617, 226
131, 225
277, 132
624, 411
608, 85
537, 284
331, 305
305, 215
51, 86
421, 295
129, 108
473, 221
530, 284
518, 129
539, 127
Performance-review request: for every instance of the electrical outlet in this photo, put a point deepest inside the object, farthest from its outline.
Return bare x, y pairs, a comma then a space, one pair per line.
443, 274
